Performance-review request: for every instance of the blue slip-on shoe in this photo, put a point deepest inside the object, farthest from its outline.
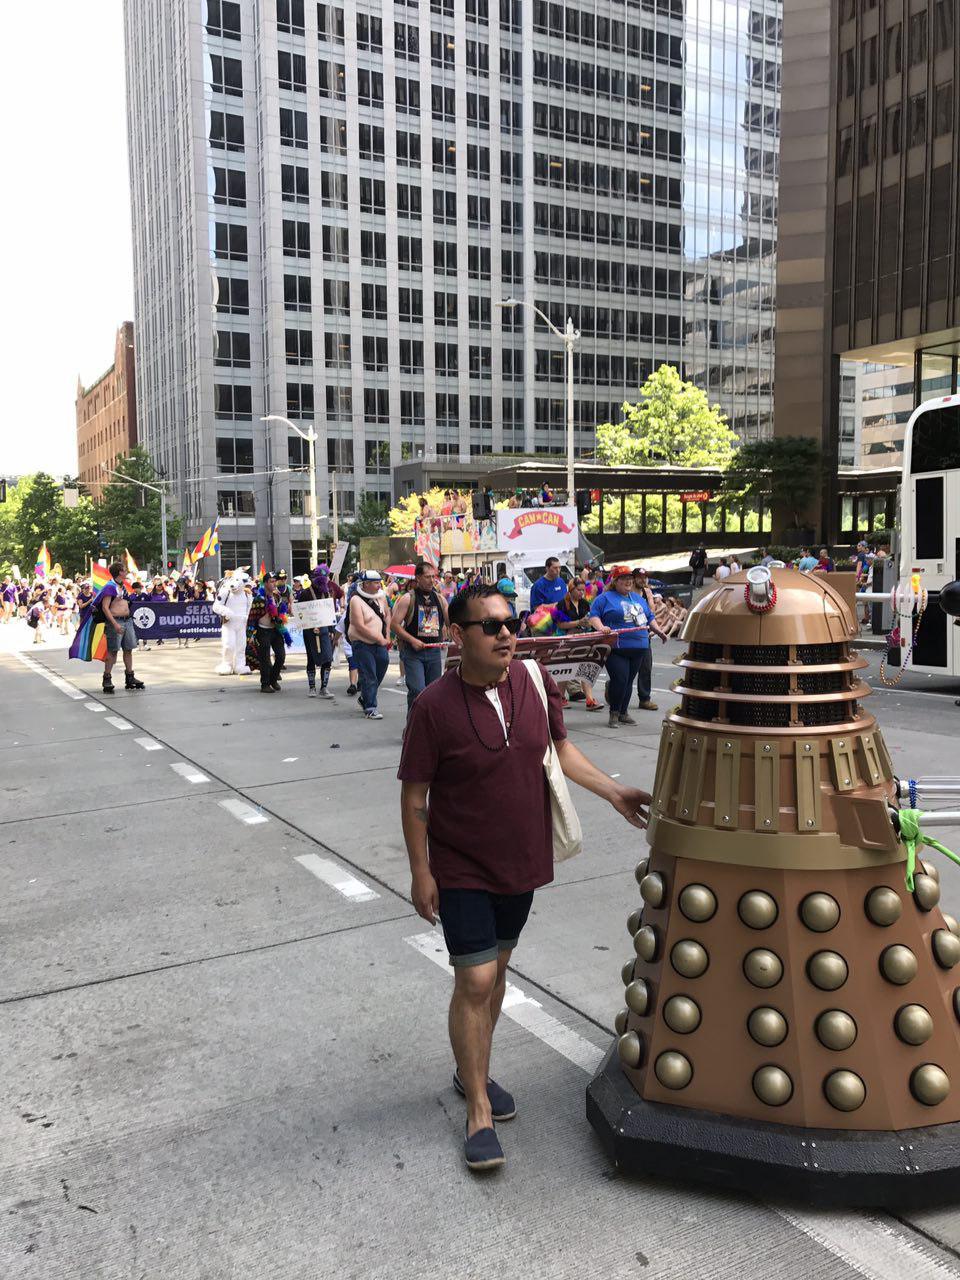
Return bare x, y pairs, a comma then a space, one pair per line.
501, 1102
482, 1150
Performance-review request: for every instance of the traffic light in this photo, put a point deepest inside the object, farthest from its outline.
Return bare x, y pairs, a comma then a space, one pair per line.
171, 564
3, 490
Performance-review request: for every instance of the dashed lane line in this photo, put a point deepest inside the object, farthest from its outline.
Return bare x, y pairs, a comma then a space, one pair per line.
95, 706
188, 772
118, 723
56, 681
149, 744
344, 883
242, 811
528, 1013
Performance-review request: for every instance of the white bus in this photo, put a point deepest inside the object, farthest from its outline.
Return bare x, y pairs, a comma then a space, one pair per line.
930, 533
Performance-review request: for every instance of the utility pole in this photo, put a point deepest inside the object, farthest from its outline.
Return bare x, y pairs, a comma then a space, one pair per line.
310, 436
153, 489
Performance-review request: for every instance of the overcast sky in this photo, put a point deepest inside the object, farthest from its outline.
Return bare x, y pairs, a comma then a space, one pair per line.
66, 268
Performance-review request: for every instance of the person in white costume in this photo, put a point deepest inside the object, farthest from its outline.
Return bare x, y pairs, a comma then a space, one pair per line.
232, 605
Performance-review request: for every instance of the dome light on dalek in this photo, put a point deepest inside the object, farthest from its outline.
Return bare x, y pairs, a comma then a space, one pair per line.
790, 1017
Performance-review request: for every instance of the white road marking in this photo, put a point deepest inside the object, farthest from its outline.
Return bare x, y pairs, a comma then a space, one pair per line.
57, 683
149, 744
243, 812
873, 1247
290, 759
337, 878
519, 1007
118, 723
95, 706
188, 772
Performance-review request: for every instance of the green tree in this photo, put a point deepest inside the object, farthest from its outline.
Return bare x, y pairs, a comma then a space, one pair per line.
11, 550
75, 537
788, 469
130, 516
673, 423
40, 501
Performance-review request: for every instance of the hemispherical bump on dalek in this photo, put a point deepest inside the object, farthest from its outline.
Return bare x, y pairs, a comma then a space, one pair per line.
788, 986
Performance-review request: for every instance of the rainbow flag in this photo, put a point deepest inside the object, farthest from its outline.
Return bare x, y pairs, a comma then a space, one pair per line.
209, 544
132, 569
263, 569
42, 568
99, 574
543, 620
90, 642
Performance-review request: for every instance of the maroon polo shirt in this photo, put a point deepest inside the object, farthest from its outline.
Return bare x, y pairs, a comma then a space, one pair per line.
489, 824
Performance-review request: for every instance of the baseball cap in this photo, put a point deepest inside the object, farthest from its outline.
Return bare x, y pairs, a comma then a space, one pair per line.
506, 587
621, 571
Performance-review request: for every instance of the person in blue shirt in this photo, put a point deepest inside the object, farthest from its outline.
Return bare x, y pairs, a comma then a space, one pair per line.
807, 561
551, 588
620, 608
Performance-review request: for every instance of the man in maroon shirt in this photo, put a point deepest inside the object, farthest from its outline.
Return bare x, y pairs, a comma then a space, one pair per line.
475, 741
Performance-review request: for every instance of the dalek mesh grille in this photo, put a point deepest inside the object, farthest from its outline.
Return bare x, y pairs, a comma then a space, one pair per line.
702, 652
700, 679
816, 713
699, 708
822, 682
770, 715
751, 655
817, 654
760, 685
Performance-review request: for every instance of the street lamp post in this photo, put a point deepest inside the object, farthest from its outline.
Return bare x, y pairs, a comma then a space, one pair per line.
568, 337
163, 504
311, 438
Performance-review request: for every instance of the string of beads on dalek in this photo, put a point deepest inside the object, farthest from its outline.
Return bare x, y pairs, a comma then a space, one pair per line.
790, 1022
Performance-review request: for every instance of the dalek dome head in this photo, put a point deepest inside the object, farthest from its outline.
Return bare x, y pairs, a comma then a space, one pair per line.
764, 606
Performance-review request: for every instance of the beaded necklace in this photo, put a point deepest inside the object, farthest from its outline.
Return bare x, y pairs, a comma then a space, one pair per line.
466, 702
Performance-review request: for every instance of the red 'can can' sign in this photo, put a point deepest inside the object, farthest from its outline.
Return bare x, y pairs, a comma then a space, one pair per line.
702, 495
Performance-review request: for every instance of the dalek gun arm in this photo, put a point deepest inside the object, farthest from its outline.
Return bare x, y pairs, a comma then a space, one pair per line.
919, 793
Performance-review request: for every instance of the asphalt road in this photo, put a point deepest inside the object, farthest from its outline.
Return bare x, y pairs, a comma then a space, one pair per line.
223, 1049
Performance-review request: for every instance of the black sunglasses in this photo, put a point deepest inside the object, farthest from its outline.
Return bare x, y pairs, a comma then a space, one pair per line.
493, 626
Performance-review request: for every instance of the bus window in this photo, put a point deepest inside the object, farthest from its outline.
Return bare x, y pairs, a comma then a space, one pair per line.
936, 440
928, 507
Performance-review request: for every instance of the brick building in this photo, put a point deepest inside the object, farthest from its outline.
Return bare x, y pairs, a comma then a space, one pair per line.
107, 415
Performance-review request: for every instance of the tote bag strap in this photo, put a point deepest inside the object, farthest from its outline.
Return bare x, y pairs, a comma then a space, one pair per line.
536, 675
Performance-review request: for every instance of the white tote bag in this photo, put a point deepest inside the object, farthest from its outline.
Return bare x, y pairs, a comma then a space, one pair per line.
567, 832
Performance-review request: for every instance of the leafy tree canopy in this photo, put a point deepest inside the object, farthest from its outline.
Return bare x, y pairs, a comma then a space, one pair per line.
673, 423
788, 468
130, 516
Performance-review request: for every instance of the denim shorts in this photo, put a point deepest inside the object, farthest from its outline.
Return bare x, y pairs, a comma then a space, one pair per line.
127, 639
478, 925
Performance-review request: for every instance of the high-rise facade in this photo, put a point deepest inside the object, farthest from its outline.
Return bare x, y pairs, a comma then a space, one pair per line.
330, 201
870, 219
106, 414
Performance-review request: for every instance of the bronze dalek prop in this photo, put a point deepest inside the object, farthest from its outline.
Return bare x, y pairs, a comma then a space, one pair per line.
790, 1020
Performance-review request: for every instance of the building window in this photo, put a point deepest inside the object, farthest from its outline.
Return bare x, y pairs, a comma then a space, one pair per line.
292, 71
230, 187
892, 129
373, 195
297, 293
293, 128
371, 142
336, 297
299, 346
333, 135
230, 241
231, 349
411, 355
446, 358
235, 502
409, 253
893, 50
231, 296
407, 95
296, 239
298, 453
375, 354
409, 201
333, 190
333, 79
943, 25
336, 350
299, 400
340, 454
376, 404
226, 131
336, 243
444, 155
373, 248
411, 408
917, 38
232, 402
234, 455
290, 17
369, 32
917, 120
943, 109
370, 87
226, 75
373, 301
410, 305
868, 61
845, 152
478, 262
445, 308
339, 404
295, 183
223, 19
330, 24
868, 141
236, 555
408, 149
480, 362
298, 503
445, 207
